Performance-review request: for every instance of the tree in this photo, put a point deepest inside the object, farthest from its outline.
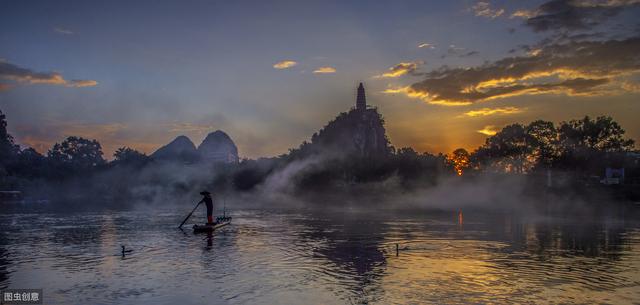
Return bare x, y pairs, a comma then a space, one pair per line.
8, 149
543, 141
29, 164
602, 134
590, 145
508, 150
130, 156
459, 160
76, 154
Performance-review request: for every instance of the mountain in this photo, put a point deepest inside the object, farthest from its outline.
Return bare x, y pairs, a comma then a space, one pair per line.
180, 149
218, 147
357, 133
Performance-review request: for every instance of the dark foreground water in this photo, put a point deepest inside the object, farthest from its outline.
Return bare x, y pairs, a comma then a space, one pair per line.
304, 257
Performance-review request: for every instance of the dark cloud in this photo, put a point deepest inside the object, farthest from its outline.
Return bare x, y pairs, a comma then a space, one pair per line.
577, 68
472, 53
573, 14
18, 74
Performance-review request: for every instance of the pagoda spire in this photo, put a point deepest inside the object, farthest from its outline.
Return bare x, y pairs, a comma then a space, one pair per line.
361, 100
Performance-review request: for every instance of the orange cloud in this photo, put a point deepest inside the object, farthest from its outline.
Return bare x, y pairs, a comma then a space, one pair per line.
285, 64
424, 96
325, 70
18, 74
492, 111
488, 130
526, 14
631, 87
4, 87
399, 70
585, 68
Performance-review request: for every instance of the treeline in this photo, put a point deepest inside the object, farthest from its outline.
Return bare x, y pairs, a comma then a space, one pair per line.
583, 147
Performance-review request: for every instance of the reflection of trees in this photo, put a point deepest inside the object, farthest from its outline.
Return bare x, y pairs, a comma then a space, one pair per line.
581, 252
589, 240
590, 237
353, 245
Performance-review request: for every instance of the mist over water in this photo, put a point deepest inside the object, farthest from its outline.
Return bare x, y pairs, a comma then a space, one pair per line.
329, 256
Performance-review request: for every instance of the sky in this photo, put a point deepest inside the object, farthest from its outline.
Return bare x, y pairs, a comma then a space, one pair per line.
444, 74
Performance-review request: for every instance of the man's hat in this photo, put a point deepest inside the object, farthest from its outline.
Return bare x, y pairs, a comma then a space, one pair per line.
204, 193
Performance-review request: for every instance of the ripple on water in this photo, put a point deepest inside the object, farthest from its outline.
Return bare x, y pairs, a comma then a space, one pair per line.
281, 257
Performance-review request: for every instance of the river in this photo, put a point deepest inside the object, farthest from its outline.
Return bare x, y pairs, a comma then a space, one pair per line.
271, 256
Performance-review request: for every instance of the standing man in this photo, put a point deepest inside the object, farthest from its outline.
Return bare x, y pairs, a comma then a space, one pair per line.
209, 202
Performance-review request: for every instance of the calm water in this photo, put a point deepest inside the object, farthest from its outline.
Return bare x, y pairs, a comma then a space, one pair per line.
303, 257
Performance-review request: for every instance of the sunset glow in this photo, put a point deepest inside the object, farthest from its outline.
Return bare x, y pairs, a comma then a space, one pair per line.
281, 75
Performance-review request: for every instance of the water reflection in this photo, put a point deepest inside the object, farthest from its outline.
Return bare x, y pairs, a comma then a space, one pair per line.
353, 248
269, 257
4, 262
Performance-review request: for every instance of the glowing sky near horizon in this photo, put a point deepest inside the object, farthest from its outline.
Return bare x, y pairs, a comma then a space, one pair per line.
444, 74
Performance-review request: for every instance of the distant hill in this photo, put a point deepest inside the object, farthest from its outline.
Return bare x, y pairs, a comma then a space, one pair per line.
180, 149
218, 147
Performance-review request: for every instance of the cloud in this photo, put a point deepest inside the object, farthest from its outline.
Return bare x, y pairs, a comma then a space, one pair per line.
483, 9
492, 111
453, 49
410, 92
526, 14
471, 53
77, 83
631, 87
285, 64
400, 69
325, 70
573, 14
18, 74
488, 130
62, 31
5, 87
426, 45
584, 68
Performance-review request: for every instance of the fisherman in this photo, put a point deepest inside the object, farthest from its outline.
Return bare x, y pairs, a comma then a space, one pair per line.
209, 202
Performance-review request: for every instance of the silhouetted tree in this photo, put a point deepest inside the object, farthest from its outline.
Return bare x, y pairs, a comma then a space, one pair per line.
602, 134
459, 161
8, 149
590, 145
130, 157
581, 145
543, 142
29, 164
75, 155
507, 150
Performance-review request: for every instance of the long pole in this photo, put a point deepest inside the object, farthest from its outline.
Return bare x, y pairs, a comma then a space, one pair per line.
185, 220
